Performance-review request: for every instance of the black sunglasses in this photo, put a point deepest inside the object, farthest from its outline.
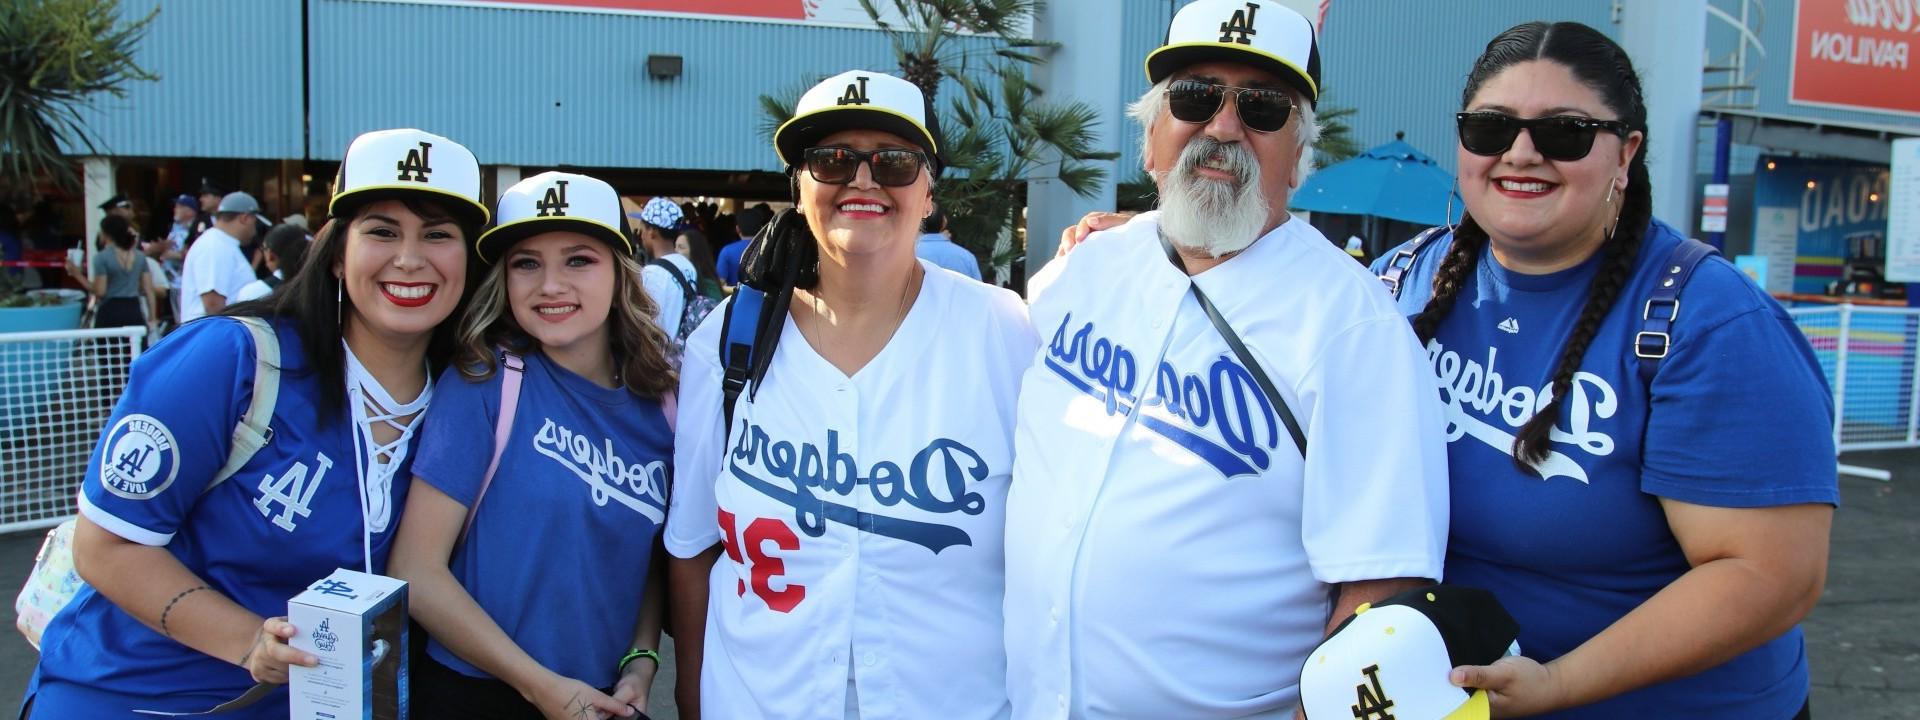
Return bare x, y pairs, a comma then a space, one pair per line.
891, 167
1261, 110
1564, 138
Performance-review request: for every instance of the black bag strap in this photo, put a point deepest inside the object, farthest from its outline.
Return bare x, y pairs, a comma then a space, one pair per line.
686, 293
1240, 350
1663, 306
1402, 261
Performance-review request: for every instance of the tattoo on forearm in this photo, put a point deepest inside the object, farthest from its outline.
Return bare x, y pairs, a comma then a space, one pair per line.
581, 709
170, 603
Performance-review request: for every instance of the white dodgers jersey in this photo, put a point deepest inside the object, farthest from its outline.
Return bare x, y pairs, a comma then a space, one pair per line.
862, 516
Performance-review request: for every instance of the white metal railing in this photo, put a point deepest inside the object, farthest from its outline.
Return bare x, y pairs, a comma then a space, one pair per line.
1871, 356
56, 390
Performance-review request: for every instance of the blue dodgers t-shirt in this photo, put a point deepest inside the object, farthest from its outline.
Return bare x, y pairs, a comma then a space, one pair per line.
1573, 550
289, 517
558, 553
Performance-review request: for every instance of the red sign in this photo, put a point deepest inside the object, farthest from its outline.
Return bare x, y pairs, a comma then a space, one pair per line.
813, 12
1856, 54
780, 9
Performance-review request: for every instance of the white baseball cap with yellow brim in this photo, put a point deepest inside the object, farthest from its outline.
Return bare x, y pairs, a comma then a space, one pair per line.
1261, 33
860, 100
556, 202
1393, 658
390, 164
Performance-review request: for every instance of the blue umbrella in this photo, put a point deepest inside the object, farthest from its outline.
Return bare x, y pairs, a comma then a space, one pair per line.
1392, 181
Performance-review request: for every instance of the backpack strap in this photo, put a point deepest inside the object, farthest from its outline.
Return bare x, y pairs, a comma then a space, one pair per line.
1402, 261
1663, 306
687, 291
255, 430
737, 340
512, 370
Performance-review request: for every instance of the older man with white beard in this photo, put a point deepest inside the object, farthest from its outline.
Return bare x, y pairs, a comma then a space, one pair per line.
1229, 439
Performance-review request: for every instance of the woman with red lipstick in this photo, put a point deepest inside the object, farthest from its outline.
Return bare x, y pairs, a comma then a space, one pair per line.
838, 543
254, 453
532, 565
1613, 481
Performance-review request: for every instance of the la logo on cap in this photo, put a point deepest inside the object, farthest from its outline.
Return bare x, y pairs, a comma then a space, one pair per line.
555, 202
418, 164
1239, 28
856, 93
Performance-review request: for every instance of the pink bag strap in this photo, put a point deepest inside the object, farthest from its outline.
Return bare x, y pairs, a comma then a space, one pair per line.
670, 406
512, 368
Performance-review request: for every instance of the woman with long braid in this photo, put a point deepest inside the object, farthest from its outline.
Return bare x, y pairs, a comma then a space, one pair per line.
1658, 540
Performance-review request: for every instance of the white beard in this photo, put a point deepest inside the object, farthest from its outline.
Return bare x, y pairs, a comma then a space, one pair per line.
1207, 215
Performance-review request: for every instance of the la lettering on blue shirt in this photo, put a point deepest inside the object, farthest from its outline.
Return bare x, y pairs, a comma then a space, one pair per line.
558, 553
289, 517
1737, 416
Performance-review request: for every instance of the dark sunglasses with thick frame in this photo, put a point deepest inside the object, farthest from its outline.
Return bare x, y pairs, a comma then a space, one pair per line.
1564, 138
1261, 109
891, 167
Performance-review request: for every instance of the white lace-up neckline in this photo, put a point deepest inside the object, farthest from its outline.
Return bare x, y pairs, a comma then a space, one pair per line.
376, 461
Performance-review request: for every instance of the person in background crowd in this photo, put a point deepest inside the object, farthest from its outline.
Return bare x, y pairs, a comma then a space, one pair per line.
659, 228
1230, 412
937, 247
189, 566
216, 267
873, 590
121, 206
210, 196
1657, 554
170, 249
726, 232
692, 244
563, 299
284, 249
748, 222
120, 277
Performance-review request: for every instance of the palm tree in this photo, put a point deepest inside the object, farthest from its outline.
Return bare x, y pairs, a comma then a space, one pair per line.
998, 132
55, 56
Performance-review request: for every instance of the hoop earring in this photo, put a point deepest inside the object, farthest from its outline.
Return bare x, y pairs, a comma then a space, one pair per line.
1452, 227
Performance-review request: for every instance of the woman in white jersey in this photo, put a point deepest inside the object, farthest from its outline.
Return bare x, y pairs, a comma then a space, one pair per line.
837, 531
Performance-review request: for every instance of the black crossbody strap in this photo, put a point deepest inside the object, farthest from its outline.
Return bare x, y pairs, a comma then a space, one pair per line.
1240, 350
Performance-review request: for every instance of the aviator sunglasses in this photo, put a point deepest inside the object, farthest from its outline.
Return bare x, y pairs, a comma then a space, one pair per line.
1564, 138
891, 167
1261, 110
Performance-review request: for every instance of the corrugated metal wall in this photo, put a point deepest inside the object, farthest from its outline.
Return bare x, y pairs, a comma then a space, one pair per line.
1145, 26
542, 88
1403, 64
229, 83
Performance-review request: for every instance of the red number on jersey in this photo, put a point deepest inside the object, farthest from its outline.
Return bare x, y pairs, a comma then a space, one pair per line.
764, 568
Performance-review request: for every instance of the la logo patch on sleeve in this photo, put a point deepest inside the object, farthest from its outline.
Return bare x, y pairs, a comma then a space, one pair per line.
141, 458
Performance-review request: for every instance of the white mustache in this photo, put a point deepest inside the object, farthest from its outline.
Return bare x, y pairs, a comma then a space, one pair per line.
1232, 158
